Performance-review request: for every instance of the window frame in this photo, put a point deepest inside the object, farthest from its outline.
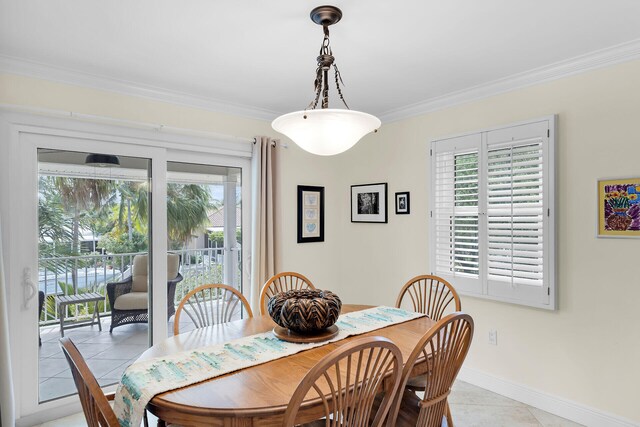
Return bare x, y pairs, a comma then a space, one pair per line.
543, 297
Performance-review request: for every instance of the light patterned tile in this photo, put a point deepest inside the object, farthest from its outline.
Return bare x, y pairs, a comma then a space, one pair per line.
467, 394
121, 352
137, 338
54, 388
48, 349
106, 338
550, 420
114, 374
82, 334
91, 349
101, 367
51, 367
492, 416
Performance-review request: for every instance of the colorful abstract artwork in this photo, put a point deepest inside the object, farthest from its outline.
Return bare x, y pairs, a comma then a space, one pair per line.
619, 207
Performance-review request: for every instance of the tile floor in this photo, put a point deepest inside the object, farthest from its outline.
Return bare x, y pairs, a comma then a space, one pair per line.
471, 406
106, 354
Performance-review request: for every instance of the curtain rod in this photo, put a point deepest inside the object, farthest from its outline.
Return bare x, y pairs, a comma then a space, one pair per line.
123, 122
274, 143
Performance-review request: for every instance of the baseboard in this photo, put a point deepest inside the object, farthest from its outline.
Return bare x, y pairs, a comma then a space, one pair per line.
559, 406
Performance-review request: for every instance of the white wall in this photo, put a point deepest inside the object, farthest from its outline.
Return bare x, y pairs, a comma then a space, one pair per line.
31, 92
588, 351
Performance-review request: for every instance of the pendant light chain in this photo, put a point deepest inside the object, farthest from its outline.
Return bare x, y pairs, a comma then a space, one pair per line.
319, 129
321, 83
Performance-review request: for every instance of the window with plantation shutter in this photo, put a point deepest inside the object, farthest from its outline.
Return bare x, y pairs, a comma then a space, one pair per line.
455, 217
491, 219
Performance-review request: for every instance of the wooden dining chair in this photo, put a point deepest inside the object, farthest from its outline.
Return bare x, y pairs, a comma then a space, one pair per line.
95, 404
211, 305
346, 382
431, 295
441, 352
282, 282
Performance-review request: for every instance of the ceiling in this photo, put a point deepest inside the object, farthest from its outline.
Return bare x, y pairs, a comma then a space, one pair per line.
258, 57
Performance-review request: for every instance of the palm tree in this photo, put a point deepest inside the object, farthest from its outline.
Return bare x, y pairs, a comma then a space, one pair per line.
133, 205
79, 196
53, 225
69, 204
188, 207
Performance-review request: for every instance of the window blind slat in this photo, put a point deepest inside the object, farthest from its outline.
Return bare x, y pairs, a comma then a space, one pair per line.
456, 213
514, 212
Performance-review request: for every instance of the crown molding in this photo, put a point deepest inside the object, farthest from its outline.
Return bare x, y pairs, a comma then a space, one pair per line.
39, 70
624, 52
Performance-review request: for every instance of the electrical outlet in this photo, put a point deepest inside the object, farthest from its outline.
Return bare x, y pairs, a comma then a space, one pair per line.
493, 337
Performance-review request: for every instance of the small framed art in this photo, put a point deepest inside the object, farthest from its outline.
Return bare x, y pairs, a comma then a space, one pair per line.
619, 208
310, 214
369, 203
402, 203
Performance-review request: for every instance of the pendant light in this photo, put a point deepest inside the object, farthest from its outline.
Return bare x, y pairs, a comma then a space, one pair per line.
326, 131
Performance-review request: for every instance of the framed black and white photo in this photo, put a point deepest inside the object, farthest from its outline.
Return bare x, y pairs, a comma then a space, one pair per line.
369, 203
402, 203
310, 214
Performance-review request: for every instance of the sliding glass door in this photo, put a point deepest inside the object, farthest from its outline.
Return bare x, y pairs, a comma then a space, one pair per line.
93, 231
103, 254
204, 226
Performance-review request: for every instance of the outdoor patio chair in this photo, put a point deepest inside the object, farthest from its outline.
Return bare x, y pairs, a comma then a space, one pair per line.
129, 299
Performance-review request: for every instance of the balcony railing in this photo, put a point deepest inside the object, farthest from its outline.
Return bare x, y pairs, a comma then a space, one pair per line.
91, 273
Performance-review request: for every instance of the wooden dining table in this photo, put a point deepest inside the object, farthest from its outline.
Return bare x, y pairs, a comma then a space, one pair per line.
259, 395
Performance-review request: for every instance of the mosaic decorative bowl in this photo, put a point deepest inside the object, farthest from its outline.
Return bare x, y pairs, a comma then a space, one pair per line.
305, 311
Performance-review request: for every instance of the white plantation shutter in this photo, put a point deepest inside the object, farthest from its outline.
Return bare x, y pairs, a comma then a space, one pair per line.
514, 213
455, 217
491, 222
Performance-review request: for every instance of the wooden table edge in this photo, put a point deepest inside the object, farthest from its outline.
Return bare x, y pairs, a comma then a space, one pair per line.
173, 412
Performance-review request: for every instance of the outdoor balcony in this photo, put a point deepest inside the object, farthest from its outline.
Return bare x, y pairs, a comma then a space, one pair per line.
107, 354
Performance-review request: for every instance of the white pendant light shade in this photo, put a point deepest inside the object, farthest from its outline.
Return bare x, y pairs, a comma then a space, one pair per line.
328, 131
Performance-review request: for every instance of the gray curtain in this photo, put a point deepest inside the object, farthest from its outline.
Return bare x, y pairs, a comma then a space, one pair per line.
264, 166
7, 411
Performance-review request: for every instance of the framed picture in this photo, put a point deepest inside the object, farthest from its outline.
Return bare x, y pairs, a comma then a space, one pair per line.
369, 203
619, 208
310, 214
402, 203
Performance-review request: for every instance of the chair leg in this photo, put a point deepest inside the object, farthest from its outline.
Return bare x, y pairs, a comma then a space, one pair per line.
448, 413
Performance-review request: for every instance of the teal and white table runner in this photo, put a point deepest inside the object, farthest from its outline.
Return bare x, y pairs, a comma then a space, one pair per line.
143, 380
